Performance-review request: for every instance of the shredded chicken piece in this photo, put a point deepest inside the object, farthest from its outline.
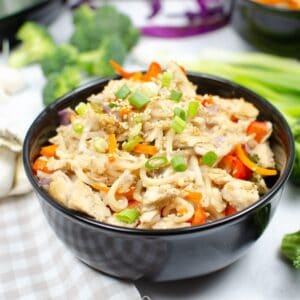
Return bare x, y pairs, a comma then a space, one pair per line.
240, 193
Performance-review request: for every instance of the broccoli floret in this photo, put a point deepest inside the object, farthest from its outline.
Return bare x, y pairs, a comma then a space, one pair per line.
97, 62
37, 43
290, 248
65, 55
105, 22
59, 84
82, 15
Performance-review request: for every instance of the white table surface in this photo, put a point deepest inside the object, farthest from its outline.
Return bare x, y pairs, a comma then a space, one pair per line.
261, 274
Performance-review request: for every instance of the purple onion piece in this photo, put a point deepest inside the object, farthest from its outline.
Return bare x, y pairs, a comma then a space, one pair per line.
106, 108
156, 7
44, 181
65, 116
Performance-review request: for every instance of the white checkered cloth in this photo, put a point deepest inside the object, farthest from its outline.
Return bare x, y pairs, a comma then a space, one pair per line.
34, 264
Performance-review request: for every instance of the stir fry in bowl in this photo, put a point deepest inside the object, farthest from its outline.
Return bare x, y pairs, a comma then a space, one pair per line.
149, 152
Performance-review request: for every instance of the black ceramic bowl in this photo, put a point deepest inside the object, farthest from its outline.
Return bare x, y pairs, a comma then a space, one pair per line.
268, 28
166, 254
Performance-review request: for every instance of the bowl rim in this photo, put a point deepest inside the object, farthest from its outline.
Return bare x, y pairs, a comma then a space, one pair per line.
274, 9
158, 232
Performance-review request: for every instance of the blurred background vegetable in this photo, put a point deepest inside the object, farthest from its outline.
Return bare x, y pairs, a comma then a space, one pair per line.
99, 36
290, 248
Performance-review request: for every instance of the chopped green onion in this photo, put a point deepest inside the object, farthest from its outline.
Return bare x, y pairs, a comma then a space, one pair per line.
78, 127
138, 118
81, 108
130, 145
123, 92
180, 113
138, 100
176, 95
128, 215
100, 144
209, 158
112, 105
178, 125
193, 109
96, 107
166, 79
156, 162
178, 163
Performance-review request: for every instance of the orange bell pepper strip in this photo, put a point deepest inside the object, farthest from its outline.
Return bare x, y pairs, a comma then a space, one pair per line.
40, 164
48, 151
258, 129
241, 154
199, 217
145, 149
230, 210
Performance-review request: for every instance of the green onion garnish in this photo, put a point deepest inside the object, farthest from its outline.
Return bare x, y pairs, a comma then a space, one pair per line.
178, 163
166, 79
100, 144
123, 92
96, 108
209, 158
193, 109
180, 113
81, 108
128, 215
78, 127
138, 100
112, 105
129, 146
156, 162
176, 95
178, 125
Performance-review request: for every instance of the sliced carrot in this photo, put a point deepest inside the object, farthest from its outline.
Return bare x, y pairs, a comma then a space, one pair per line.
145, 149
112, 143
48, 151
258, 129
40, 164
102, 188
137, 76
241, 154
124, 111
230, 210
207, 102
133, 203
234, 119
199, 217
118, 68
153, 71
111, 158
193, 196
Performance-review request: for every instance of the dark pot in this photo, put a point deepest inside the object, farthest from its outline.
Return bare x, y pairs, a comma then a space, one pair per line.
167, 254
268, 28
